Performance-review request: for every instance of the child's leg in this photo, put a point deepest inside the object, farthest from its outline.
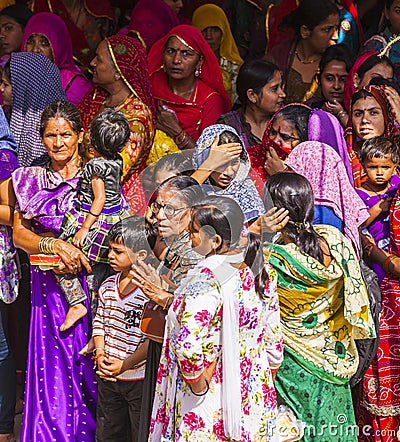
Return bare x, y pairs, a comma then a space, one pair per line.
75, 296
132, 392
112, 422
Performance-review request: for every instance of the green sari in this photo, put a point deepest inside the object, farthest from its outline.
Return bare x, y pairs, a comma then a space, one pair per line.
323, 310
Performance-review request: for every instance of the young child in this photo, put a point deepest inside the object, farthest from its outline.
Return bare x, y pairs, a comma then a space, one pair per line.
97, 209
120, 347
379, 157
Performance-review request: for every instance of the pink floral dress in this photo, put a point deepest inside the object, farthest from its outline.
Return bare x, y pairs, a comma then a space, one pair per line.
193, 341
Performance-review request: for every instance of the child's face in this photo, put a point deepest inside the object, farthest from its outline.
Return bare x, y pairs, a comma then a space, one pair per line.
121, 257
379, 170
224, 176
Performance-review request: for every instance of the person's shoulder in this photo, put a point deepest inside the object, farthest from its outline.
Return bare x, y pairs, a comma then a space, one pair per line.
110, 283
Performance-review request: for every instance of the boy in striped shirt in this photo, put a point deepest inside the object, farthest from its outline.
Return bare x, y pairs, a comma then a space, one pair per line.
120, 347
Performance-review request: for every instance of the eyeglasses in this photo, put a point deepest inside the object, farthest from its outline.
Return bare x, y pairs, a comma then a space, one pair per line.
169, 210
284, 137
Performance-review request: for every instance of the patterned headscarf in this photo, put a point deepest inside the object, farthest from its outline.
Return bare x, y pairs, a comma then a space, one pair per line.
241, 188
325, 171
36, 83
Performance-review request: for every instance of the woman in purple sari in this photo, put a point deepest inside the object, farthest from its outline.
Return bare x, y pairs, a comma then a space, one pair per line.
60, 397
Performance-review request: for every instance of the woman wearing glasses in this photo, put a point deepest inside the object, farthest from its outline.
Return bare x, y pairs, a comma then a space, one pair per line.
171, 211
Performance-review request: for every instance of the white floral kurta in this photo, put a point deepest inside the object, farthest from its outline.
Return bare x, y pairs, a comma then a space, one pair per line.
193, 342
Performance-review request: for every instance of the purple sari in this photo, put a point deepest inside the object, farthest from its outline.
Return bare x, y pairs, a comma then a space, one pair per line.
60, 392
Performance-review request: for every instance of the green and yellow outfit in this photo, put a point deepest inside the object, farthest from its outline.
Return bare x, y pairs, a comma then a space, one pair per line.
323, 310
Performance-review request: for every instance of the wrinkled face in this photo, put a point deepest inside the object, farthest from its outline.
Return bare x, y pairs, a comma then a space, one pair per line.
225, 174
380, 70
121, 257
213, 36
60, 140
332, 80
379, 170
325, 34
103, 69
271, 96
393, 16
40, 44
171, 212
6, 89
180, 62
203, 241
175, 5
367, 117
284, 133
11, 34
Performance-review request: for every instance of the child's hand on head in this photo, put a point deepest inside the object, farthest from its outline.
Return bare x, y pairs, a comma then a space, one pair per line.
80, 237
223, 153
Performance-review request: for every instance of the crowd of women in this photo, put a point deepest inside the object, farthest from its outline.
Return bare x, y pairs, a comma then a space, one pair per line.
267, 192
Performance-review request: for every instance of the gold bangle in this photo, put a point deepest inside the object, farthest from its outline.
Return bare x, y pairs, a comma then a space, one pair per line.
46, 245
166, 303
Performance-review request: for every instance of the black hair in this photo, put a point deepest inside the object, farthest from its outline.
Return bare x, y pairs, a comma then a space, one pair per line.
388, 3
339, 52
380, 81
309, 13
109, 133
254, 74
363, 93
228, 136
379, 147
131, 232
372, 62
7, 69
187, 188
294, 193
297, 116
61, 109
19, 13
222, 216
178, 163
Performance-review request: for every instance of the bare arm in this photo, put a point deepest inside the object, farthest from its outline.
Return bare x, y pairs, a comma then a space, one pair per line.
7, 202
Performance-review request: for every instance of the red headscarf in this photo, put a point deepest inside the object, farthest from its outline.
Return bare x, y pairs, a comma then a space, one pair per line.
390, 132
210, 71
349, 88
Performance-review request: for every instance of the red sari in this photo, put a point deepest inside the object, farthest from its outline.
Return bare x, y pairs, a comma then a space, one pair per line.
209, 99
129, 58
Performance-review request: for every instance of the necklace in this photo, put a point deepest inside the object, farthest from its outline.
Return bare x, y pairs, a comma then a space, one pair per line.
303, 61
115, 105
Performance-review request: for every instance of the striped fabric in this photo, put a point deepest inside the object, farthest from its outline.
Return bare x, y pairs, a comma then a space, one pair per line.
117, 319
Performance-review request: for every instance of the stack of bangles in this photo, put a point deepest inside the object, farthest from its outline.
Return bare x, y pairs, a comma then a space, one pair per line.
46, 245
388, 260
182, 139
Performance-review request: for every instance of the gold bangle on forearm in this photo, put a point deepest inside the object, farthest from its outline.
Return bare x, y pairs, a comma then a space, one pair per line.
46, 245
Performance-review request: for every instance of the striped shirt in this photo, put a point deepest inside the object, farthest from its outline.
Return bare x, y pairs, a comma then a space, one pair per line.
117, 319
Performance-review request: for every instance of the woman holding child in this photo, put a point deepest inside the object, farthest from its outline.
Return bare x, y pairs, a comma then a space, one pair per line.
60, 397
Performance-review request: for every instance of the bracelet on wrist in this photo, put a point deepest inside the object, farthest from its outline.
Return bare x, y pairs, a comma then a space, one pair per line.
203, 393
176, 137
94, 214
98, 349
387, 261
341, 114
46, 245
368, 249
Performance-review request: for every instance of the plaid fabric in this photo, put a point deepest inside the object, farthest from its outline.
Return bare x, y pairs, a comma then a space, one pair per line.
96, 243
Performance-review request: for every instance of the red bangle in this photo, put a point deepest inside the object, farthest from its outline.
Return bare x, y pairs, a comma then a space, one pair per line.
368, 249
388, 260
177, 136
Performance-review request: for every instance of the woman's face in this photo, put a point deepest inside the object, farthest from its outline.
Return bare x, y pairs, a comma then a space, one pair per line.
6, 89
40, 44
380, 70
103, 69
224, 175
172, 214
175, 5
284, 133
213, 36
393, 16
367, 117
11, 34
180, 62
324, 35
271, 96
333, 78
60, 140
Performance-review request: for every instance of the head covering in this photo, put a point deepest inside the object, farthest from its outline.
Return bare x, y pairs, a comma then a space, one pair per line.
390, 132
325, 171
349, 88
55, 30
152, 20
8, 149
210, 72
212, 15
36, 83
325, 128
241, 188
258, 152
19, 13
